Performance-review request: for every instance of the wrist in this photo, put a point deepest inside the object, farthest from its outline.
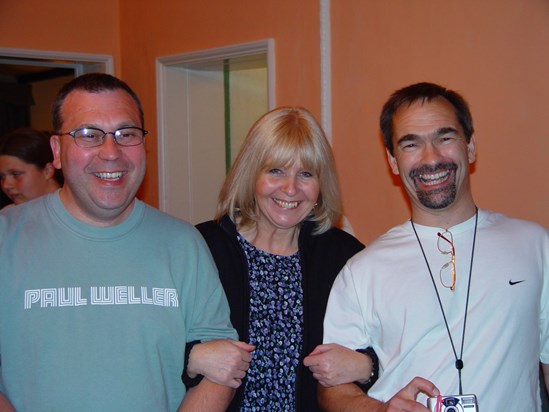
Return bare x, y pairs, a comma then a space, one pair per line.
192, 354
367, 382
190, 377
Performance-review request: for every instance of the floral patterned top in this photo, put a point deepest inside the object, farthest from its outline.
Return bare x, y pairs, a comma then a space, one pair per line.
276, 324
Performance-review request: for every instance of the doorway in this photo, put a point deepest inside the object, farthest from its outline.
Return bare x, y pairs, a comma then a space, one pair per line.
29, 81
207, 101
32, 78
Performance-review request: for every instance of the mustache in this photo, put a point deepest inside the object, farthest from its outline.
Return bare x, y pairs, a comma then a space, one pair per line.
429, 169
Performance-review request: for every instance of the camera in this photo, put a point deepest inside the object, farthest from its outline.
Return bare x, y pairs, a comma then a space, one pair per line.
453, 403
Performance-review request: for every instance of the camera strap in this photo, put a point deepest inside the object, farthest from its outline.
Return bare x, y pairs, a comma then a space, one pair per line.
459, 359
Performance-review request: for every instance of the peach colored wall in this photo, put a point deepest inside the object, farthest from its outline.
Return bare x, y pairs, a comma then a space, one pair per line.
165, 28
494, 52
83, 26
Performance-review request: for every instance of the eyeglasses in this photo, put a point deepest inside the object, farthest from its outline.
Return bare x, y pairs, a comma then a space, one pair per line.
448, 270
92, 137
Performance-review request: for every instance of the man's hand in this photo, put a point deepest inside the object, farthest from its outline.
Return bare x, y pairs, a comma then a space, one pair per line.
333, 364
405, 399
222, 361
349, 398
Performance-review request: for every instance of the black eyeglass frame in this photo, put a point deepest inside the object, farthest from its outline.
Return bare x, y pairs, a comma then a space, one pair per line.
72, 133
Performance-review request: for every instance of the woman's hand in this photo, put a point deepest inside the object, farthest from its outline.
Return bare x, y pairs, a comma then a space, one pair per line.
222, 361
333, 364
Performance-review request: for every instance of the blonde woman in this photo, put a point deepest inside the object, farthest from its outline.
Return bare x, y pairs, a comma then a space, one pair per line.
276, 246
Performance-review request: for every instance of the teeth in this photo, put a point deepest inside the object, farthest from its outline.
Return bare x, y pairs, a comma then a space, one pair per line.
109, 175
286, 205
434, 179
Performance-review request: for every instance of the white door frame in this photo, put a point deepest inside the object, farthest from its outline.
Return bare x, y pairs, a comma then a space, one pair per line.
80, 62
174, 176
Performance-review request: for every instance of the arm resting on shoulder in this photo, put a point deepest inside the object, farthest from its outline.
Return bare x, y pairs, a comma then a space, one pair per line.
207, 397
5, 405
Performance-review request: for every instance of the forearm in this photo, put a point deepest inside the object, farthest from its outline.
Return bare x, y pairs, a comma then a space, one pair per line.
207, 397
5, 405
346, 398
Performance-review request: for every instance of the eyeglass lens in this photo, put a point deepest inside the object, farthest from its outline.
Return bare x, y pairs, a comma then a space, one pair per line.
445, 244
126, 136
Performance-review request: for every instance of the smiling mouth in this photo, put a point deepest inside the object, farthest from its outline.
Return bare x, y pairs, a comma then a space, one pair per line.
434, 179
110, 176
286, 205
433, 175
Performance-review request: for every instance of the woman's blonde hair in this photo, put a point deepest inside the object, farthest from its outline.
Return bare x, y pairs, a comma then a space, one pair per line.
279, 138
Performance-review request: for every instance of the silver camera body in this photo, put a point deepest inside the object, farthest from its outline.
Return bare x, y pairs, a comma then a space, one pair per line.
453, 403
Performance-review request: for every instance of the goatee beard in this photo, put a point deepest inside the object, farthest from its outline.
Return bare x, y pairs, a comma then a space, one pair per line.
436, 198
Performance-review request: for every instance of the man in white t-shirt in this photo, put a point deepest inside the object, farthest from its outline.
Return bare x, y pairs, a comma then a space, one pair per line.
454, 301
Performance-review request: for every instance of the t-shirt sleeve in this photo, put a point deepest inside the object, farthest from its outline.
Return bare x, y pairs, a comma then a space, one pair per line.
213, 321
210, 311
343, 322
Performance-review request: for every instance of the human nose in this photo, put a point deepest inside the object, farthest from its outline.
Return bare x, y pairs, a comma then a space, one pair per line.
109, 149
289, 186
6, 184
431, 154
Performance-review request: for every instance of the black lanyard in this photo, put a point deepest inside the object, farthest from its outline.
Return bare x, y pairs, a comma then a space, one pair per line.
459, 360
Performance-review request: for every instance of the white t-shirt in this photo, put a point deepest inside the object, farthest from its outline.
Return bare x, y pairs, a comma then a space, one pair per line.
384, 297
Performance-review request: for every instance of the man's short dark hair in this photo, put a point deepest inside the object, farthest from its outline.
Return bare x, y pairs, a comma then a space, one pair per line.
91, 83
424, 92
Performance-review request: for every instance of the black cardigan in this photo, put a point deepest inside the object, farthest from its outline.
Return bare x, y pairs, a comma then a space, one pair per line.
322, 257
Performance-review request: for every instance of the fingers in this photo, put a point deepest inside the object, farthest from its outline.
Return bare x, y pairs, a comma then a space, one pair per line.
235, 383
419, 385
314, 358
244, 350
405, 399
248, 347
241, 362
320, 349
333, 364
222, 361
309, 360
323, 380
228, 376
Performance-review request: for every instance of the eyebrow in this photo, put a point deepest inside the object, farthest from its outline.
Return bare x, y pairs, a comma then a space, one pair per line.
439, 132
11, 171
446, 130
128, 123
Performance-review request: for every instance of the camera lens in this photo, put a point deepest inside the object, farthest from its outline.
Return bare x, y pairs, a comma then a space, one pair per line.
450, 409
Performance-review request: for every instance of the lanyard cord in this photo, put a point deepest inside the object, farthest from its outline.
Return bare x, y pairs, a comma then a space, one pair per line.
459, 361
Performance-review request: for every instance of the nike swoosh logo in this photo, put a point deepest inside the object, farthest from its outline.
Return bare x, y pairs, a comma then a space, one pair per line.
514, 283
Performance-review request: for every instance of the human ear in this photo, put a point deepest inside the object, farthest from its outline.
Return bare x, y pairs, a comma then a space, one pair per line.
392, 162
49, 170
55, 145
472, 150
